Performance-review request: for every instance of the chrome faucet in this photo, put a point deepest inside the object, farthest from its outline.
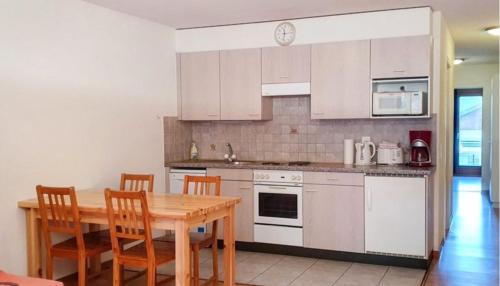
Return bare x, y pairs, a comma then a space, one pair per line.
230, 152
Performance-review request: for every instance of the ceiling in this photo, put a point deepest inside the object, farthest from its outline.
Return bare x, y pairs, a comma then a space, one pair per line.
467, 19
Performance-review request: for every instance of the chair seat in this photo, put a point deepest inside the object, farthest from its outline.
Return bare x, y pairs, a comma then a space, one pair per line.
202, 239
96, 242
164, 252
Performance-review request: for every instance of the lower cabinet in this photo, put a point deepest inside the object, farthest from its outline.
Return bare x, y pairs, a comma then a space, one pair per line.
243, 225
333, 217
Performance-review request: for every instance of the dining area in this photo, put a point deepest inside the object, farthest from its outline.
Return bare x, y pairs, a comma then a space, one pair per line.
141, 229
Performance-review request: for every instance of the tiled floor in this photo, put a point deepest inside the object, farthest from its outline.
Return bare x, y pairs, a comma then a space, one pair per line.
270, 269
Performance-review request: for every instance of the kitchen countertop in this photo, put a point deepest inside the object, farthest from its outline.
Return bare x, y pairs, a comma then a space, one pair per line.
313, 167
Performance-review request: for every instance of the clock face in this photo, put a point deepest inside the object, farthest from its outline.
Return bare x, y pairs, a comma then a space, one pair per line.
284, 33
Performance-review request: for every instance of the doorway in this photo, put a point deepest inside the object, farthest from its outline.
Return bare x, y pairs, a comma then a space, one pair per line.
468, 132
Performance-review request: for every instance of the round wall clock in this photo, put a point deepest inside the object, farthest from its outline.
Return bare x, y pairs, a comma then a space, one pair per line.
284, 33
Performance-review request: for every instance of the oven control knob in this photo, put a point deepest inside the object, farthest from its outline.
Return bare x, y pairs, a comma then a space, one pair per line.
299, 178
294, 177
257, 176
266, 177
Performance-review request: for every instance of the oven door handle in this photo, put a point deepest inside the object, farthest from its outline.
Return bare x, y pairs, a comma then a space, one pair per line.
277, 188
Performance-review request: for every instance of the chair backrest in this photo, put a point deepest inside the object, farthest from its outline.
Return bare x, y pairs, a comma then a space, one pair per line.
59, 213
137, 182
128, 216
206, 185
203, 186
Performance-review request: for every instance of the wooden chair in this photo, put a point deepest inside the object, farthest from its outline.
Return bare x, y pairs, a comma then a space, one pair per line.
204, 186
129, 218
59, 213
136, 182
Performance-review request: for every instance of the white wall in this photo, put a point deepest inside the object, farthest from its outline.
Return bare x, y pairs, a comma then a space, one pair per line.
82, 91
479, 76
371, 25
495, 146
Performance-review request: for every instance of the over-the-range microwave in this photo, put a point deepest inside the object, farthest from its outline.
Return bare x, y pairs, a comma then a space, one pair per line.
410, 103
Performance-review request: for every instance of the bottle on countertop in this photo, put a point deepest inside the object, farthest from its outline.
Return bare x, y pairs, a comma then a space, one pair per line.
194, 154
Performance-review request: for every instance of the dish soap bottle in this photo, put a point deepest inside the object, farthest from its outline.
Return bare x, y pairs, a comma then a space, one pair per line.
194, 153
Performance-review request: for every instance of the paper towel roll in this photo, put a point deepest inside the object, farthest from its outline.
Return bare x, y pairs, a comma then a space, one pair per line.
348, 151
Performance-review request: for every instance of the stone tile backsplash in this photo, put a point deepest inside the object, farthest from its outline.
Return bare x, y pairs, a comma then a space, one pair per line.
290, 136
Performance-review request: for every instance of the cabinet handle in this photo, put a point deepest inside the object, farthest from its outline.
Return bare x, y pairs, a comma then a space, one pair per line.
253, 114
283, 76
332, 179
311, 191
245, 188
318, 113
211, 114
399, 71
369, 198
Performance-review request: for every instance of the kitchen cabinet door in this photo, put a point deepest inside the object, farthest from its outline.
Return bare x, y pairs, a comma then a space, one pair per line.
290, 64
240, 84
333, 217
243, 224
401, 57
200, 92
395, 215
340, 80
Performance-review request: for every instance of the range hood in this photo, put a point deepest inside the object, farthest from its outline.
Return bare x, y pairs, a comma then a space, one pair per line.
283, 89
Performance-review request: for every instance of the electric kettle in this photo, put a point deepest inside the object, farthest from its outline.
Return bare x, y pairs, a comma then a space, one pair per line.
365, 151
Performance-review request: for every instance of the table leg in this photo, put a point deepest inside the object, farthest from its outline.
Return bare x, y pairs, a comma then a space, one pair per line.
95, 263
182, 254
229, 248
33, 244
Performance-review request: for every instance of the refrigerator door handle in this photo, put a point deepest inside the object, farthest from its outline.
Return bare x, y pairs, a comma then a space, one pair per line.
369, 199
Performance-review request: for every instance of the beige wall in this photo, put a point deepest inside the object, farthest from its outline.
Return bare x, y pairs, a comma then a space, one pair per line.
83, 91
442, 88
479, 76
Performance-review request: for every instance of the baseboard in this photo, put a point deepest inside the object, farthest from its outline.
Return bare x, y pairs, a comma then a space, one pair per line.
436, 254
333, 255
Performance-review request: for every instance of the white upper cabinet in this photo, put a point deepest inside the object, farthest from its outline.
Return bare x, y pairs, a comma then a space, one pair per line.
240, 86
401, 57
200, 90
290, 64
340, 80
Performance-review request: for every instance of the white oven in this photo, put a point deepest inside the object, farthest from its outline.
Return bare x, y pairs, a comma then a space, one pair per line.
399, 103
278, 207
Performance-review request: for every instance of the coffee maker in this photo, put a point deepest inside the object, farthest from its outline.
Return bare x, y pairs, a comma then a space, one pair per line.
420, 154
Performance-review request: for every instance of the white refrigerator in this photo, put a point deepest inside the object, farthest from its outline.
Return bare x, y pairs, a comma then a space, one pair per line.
395, 215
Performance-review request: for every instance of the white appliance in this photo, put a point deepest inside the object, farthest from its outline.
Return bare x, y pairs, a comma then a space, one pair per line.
389, 153
279, 89
176, 178
395, 216
389, 156
278, 207
365, 151
399, 103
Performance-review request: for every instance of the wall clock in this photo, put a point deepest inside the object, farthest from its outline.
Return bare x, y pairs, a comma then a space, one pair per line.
284, 33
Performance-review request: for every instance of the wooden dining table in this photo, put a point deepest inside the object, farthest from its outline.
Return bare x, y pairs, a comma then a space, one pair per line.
168, 212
